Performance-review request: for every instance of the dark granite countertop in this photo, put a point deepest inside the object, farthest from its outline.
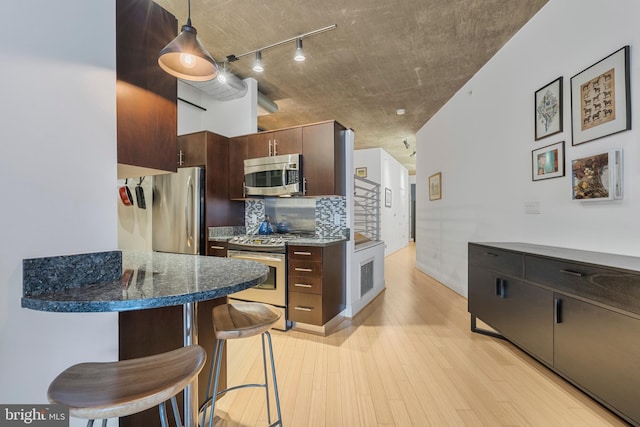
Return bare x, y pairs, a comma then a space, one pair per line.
132, 280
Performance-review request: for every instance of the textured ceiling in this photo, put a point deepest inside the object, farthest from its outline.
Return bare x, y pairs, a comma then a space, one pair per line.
383, 55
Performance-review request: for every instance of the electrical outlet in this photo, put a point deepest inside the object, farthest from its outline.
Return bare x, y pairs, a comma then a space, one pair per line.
532, 207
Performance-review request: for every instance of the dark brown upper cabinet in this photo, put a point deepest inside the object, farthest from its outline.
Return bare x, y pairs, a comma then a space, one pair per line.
145, 95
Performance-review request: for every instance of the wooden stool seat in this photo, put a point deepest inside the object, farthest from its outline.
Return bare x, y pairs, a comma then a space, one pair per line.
242, 320
114, 389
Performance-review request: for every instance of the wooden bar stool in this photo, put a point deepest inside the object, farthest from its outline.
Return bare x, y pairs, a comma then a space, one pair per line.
241, 320
105, 390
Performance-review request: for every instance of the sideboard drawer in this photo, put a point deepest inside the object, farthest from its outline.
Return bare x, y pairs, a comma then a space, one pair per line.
506, 262
611, 287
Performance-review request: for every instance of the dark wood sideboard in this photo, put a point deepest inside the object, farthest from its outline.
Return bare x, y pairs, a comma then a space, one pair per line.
577, 312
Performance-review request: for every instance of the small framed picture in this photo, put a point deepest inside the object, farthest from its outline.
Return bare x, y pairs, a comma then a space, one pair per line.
601, 98
548, 109
548, 162
598, 176
361, 172
387, 197
435, 186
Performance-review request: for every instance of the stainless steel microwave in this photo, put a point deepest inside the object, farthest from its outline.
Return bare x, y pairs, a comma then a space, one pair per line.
274, 176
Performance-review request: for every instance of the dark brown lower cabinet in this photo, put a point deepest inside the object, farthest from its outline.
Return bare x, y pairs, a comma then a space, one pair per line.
316, 282
152, 331
576, 311
599, 350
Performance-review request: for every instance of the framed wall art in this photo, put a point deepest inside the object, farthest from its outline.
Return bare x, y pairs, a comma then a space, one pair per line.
548, 109
387, 197
435, 186
597, 176
361, 172
548, 162
600, 98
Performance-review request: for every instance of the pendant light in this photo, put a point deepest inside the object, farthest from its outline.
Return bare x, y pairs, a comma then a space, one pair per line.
299, 56
186, 58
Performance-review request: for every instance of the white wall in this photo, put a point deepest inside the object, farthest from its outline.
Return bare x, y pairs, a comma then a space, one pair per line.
58, 170
391, 174
481, 141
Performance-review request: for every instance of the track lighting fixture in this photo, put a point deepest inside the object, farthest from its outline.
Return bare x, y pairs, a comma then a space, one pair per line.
185, 57
257, 64
299, 56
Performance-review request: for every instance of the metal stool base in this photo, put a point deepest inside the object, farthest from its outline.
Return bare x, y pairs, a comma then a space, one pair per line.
216, 361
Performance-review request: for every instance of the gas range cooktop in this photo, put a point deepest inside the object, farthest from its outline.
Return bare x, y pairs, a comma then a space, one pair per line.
268, 242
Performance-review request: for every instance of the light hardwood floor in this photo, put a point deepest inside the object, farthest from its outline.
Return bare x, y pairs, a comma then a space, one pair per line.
408, 359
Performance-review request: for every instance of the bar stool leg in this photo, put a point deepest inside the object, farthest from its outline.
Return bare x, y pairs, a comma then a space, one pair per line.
275, 381
163, 415
176, 413
216, 362
266, 380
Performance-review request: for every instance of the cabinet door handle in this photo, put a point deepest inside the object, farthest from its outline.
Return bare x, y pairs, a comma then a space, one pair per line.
180, 158
498, 286
573, 273
269, 148
303, 269
302, 253
503, 288
275, 149
489, 254
302, 285
302, 308
557, 310
216, 247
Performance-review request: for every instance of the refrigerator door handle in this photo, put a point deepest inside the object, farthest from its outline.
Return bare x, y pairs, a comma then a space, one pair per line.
188, 211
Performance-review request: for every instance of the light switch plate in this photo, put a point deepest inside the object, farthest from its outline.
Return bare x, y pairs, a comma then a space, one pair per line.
532, 207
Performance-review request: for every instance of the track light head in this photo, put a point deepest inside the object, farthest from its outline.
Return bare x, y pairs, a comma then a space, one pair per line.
299, 56
257, 64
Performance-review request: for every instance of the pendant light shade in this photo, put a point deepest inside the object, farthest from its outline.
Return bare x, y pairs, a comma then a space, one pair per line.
186, 58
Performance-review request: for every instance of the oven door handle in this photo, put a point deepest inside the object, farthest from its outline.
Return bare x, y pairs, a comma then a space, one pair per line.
256, 258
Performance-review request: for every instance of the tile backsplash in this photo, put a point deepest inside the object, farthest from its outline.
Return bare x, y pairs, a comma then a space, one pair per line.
324, 217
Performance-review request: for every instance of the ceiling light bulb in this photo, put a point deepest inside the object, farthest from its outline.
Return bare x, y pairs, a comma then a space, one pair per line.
187, 60
257, 65
400, 111
299, 56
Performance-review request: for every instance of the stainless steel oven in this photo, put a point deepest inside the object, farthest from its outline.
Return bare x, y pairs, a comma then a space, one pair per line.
274, 290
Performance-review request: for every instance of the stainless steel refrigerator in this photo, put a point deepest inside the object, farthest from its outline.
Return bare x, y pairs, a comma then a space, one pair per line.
178, 212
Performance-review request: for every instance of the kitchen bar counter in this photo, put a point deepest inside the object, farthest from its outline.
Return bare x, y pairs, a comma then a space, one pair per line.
132, 280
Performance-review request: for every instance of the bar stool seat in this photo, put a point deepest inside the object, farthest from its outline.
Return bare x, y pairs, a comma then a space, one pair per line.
235, 321
103, 390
